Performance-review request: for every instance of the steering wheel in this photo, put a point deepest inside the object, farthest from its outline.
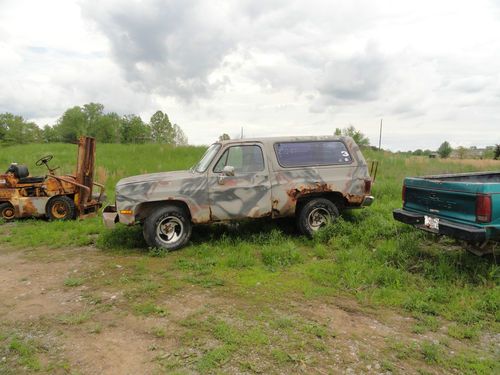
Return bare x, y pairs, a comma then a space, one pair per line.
44, 160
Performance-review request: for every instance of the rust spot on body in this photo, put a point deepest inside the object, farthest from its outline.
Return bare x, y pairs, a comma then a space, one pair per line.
29, 208
296, 193
356, 199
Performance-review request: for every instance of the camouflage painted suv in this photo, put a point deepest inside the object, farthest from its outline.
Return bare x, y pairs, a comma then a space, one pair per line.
311, 178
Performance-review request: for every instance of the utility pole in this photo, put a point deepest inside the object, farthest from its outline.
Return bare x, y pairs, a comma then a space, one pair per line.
241, 136
380, 136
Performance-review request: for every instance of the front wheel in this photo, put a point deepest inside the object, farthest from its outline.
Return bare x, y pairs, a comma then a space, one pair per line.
315, 214
167, 227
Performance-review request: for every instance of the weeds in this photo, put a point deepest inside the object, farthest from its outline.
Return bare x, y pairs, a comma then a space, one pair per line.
149, 308
73, 281
26, 352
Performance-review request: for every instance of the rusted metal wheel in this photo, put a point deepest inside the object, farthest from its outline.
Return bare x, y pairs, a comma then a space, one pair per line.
7, 212
60, 208
315, 214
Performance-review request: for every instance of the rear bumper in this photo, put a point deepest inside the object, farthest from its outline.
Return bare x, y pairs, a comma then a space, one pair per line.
367, 200
110, 216
464, 232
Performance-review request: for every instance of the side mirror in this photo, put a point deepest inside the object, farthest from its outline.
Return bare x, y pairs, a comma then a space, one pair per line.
228, 171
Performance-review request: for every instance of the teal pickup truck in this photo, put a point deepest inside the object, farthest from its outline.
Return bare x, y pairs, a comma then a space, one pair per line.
465, 206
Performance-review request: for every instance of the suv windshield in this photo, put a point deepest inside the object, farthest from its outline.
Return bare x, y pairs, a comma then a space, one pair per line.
207, 158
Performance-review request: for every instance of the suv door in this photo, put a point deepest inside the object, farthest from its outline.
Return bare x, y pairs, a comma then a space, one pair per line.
239, 185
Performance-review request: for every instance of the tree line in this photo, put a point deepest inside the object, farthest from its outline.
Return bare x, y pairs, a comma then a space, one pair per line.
91, 120
445, 151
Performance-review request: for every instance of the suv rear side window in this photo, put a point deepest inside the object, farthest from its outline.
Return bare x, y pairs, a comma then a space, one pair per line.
305, 154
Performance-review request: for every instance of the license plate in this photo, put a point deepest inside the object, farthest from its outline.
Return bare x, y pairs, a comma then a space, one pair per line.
431, 222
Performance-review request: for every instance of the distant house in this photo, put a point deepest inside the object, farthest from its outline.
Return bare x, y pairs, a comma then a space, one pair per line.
433, 155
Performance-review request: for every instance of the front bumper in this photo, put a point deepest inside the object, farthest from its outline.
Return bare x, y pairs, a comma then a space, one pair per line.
464, 232
110, 216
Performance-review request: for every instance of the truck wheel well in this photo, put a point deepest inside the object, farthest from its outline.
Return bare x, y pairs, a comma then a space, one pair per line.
335, 197
144, 209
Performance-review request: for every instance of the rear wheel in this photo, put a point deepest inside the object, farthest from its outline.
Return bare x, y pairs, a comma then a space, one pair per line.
315, 214
167, 227
60, 208
7, 212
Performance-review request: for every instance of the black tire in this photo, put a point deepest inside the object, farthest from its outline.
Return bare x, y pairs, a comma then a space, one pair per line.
168, 228
7, 212
60, 208
308, 220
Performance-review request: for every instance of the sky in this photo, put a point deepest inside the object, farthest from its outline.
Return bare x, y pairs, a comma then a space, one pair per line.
429, 69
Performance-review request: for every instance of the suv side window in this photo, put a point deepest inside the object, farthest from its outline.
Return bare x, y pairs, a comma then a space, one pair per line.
244, 159
313, 153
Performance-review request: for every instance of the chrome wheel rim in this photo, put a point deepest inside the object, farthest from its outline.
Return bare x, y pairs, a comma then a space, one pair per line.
318, 218
169, 230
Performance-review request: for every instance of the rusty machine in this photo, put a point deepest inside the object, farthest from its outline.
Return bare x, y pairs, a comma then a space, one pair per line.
55, 197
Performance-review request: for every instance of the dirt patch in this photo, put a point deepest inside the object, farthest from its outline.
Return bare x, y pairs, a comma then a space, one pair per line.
31, 290
115, 350
99, 329
349, 319
109, 342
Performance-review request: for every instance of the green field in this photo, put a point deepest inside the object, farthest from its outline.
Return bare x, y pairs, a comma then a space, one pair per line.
367, 294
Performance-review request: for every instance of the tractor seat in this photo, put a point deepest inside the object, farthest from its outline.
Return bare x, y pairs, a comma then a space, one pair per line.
21, 172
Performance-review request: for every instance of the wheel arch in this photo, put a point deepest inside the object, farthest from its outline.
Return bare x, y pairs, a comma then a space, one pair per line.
336, 197
143, 210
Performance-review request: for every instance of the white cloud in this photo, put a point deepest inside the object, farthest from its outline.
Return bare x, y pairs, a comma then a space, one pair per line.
430, 69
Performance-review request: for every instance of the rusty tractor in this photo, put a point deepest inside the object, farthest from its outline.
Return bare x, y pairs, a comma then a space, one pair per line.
54, 197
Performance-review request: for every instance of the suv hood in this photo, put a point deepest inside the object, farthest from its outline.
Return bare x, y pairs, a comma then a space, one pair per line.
154, 177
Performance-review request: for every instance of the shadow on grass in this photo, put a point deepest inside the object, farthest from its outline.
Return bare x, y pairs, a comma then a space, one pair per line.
122, 238
252, 231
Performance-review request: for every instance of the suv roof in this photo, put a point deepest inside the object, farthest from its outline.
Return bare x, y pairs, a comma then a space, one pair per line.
287, 139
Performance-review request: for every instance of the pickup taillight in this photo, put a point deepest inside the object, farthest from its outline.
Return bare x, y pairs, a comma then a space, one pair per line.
403, 194
483, 208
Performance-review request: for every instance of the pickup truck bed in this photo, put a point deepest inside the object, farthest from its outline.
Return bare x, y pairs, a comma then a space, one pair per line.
464, 206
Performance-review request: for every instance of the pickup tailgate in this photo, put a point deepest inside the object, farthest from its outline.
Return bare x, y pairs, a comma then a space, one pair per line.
435, 198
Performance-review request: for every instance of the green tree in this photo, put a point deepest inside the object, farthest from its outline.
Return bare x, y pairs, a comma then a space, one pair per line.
496, 152
108, 128
93, 113
162, 130
50, 134
180, 138
72, 124
461, 152
224, 137
134, 130
350, 131
3, 129
444, 150
15, 130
